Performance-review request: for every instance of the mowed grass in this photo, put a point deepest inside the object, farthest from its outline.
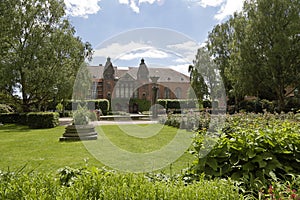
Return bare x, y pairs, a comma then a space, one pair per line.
40, 149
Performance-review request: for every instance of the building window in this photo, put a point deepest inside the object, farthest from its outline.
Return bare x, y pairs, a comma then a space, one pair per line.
94, 90
117, 91
136, 94
167, 93
178, 93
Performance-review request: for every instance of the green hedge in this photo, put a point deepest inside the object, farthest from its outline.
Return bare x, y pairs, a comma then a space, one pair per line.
177, 103
102, 104
10, 118
144, 105
13, 118
33, 119
42, 119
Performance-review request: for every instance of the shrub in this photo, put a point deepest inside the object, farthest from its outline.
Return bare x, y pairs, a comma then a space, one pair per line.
177, 104
42, 119
252, 148
81, 116
143, 105
98, 104
10, 118
250, 106
207, 104
5, 108
96, 183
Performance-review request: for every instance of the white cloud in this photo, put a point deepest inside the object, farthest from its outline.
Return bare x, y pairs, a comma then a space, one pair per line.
134, 7
147, 1
133, 3
124, 2
187, 50
180, 60
228, 7
80, 8
116, 50
214, 3
182, 68
148, 53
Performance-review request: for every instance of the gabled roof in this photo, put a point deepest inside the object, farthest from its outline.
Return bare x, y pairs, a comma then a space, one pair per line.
96, 71
164, 74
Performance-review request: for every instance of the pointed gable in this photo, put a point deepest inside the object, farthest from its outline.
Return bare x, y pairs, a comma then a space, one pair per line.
143, 72
108, 72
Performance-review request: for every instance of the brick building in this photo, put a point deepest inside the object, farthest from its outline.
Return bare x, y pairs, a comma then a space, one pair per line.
111, 82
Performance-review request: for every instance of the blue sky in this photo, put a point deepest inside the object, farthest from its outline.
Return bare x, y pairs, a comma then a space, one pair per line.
163, 32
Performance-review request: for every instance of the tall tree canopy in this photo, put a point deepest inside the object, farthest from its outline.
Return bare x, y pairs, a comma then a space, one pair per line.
40, 55
210, 80
258, 50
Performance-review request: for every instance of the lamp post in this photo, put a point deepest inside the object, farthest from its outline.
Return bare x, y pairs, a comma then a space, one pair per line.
55, 90
154, 97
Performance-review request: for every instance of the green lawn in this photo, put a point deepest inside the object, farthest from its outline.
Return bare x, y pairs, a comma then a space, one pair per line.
40, 149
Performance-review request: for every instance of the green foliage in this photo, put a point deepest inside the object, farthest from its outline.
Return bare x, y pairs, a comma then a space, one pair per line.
197, 83
101, 104
252, 148
81, 116
282, 189
42, 119
207, 104
14, 118
39, 52
177, 103
120, 104
5, 108
144, 105
60, 107
10, 118
98, 104
93, 183
33, 119
190, 121
257, 50
204, 68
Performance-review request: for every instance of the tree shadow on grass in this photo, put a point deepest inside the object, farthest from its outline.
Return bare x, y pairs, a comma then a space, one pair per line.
14, 128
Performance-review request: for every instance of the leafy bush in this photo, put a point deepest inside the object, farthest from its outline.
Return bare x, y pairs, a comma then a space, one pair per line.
177, 104
42, 119
252, 148
190, 121
143, 105
81, 116
207, 104
96, 183
281, 190
10, 118
5, 108
96, 104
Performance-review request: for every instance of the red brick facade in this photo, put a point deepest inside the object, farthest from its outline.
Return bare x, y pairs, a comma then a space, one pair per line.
111, 82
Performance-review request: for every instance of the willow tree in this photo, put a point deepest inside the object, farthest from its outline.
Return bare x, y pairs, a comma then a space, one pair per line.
40, 55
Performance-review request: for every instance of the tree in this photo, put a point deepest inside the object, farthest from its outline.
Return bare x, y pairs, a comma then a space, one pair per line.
197, 84
221, 46
205, 66
258, 50
39, 51
273, 36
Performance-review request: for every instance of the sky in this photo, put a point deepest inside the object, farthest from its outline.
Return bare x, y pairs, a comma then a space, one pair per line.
166, 33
